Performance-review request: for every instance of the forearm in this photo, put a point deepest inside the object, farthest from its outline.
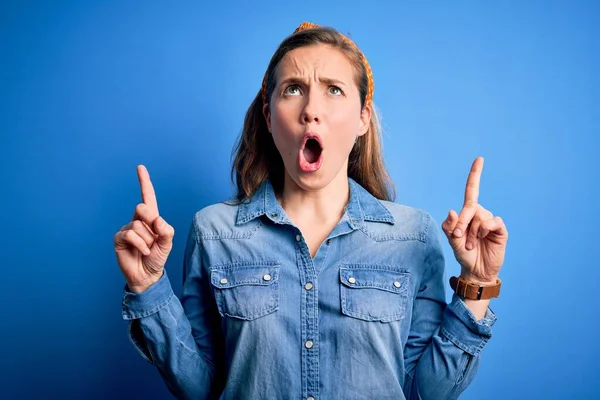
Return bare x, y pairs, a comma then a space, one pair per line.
449, 362
168, 339
477, 307
162, 333
443, 372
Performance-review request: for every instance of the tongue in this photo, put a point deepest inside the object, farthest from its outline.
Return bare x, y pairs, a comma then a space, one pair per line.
312, 151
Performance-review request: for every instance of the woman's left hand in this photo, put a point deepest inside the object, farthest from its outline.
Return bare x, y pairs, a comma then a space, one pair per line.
477, 238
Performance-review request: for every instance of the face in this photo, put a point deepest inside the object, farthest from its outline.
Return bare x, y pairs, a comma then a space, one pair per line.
315, 115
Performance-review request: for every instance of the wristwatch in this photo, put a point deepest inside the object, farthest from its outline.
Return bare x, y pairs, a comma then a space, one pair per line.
474, 291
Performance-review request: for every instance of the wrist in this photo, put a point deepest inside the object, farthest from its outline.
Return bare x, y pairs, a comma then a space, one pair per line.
475, 288
140, 287
477, 280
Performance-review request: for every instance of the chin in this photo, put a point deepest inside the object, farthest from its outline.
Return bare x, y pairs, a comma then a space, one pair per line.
311, 181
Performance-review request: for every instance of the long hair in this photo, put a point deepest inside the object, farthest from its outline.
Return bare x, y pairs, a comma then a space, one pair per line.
256, 156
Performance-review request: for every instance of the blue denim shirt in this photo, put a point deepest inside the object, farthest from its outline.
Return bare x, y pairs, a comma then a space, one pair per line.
259, 318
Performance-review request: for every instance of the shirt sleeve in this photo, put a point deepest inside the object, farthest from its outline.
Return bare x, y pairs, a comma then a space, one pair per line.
445, 341
179, 337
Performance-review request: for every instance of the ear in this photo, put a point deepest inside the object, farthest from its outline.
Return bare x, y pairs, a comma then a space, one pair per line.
365, 120
267, 113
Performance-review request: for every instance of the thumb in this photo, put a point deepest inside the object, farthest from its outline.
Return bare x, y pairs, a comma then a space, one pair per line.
448, 227
165, 234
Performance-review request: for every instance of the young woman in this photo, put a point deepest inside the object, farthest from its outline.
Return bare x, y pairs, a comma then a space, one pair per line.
312, 283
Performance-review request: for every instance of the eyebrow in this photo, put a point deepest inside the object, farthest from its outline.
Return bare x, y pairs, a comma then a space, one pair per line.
328, 81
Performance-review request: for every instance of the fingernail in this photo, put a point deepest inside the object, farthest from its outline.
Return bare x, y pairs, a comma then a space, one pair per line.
457, 232
469, 246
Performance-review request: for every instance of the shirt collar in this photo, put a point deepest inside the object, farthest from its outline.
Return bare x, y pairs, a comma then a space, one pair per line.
361, 207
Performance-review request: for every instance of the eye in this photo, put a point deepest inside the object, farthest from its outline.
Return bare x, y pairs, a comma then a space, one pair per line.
335, 90
292, 90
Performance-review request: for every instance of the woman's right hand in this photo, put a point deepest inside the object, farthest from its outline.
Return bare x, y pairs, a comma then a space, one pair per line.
143, 245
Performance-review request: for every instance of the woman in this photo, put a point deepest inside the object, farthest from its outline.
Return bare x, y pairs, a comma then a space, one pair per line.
312, 283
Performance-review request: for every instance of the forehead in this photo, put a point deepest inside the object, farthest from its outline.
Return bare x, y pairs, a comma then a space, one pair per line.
316, 59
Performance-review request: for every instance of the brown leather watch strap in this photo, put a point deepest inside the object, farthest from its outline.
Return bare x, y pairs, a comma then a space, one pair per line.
474, 291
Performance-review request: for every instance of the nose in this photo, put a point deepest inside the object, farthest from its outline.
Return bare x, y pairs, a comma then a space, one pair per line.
310, 118
310, 113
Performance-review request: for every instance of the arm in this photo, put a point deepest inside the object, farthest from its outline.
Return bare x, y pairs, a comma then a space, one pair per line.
445, 341
179, 337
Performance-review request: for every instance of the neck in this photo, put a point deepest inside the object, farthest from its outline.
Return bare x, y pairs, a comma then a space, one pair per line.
315, 207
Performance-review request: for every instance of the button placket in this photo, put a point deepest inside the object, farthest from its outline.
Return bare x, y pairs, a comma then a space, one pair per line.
310, 328
310, 324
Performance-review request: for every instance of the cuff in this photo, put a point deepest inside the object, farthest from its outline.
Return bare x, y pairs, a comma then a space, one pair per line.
150, 301
464, 330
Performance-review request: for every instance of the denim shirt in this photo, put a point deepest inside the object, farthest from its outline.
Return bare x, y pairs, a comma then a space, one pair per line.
259, 318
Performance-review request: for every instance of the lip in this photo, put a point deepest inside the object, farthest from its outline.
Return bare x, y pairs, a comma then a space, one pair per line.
302, 163
311, 135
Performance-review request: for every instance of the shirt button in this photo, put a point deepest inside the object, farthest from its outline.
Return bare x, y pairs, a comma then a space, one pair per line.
267, 277
351, 280
308, 344
310, 398
298, 237
397, 284
274, 215
223, 281
308, 286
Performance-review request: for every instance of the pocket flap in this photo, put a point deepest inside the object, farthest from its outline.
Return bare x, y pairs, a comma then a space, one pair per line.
262, 275
395, 281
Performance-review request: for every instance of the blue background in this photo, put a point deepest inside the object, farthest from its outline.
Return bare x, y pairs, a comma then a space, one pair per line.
89, 90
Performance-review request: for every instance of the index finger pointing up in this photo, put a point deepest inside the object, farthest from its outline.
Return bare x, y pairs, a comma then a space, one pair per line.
472, 189
148, 195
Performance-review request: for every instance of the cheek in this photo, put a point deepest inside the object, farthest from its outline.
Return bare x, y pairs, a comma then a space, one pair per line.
345, 124
282, 135
281, 119
282, 122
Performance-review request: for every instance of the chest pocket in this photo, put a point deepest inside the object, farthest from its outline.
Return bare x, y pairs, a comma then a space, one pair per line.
246, 291
374, 292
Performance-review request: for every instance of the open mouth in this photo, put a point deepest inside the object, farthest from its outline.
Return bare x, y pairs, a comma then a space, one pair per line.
310, 157
312, 150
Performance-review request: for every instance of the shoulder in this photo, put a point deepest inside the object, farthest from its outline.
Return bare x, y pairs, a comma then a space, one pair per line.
218, 221
223, 212
410, 223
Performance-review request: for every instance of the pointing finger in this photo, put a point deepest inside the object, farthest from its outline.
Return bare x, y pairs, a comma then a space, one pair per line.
148, 195
472, 188
145, 214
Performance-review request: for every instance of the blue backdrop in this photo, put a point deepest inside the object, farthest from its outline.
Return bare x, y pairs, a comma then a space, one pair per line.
89, 90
